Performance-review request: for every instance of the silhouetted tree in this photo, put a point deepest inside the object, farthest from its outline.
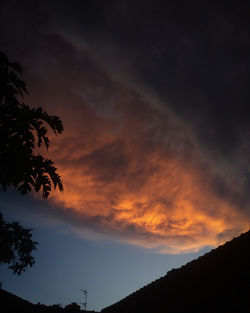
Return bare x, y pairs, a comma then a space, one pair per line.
72, 308
55, 308
16, 246
22, 130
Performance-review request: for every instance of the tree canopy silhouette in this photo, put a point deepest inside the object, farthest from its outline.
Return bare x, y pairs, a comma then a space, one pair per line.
22, 131
16, 246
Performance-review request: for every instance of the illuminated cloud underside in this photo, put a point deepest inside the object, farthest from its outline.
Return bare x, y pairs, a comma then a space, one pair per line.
134, 173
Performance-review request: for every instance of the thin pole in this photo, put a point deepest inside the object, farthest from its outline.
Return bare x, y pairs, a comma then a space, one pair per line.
84, 294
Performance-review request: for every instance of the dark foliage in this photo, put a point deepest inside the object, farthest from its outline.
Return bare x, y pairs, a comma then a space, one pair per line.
21, 130
16, 246
73, 307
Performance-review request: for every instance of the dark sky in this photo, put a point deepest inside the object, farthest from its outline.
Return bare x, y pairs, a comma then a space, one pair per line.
154, 97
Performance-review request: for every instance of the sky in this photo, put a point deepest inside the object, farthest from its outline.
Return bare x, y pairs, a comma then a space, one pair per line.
154, 157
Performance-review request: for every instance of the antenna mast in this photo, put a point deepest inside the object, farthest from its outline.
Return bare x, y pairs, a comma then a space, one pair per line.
84, 294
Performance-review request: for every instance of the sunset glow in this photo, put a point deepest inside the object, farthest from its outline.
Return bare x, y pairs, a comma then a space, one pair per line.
134, 181
154, 156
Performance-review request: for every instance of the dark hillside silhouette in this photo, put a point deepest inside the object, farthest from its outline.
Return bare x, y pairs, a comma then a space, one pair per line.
10, 303
219, 282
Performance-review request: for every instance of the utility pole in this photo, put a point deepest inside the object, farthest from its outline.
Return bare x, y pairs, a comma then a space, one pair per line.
84, 294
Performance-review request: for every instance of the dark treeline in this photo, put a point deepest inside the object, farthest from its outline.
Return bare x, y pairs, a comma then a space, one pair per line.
10, 303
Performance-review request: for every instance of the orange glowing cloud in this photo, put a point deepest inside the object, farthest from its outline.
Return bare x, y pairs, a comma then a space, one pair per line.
136, 175
131, 170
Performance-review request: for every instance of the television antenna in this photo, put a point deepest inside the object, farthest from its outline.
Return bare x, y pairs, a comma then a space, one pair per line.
84, 294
